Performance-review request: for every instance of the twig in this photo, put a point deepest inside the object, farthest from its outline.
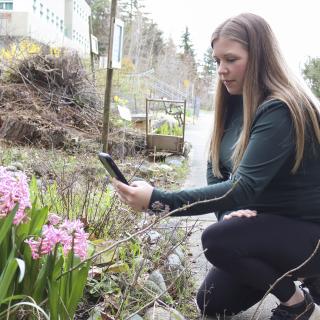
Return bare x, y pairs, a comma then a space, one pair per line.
146, 229
283, 276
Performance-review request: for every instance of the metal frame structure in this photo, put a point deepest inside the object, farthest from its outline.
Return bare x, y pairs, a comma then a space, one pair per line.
165, 143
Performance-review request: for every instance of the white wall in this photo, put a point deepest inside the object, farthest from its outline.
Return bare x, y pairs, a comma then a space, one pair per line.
15, 23
47, 21
53, 22
24, 5
80, 32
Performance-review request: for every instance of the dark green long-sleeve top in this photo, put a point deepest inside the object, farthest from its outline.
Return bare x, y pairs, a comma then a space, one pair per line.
264, 179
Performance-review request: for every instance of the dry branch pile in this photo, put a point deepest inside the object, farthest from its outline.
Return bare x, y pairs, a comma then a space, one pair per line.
44, 97
61, 80
49, 101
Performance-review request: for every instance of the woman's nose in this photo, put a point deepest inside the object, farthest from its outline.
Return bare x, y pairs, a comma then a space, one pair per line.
222, 68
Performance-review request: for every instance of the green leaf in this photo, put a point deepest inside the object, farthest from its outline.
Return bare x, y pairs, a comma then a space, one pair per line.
34, 190
109, 256
7, 278
77, 288
54, 300
54, 294
21, 233
7, 223
38, 219
32, 270
40, 283
118, 267
15, 297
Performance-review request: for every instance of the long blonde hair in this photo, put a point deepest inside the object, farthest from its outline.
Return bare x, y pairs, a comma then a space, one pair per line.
267, 77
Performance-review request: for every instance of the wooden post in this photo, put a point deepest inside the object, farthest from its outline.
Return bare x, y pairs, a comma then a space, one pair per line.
107, 94
147, 123
91, 53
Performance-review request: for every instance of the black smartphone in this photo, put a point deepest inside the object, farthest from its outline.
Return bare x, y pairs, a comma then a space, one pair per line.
111, 167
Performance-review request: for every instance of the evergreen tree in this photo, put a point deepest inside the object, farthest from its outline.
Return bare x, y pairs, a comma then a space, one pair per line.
209, 65
311, 73
100, 12
154, 45
187, 44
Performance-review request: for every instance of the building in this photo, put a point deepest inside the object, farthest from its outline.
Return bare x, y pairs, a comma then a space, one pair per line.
57, 23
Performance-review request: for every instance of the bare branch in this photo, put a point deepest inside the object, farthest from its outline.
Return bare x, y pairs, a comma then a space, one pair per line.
283, 276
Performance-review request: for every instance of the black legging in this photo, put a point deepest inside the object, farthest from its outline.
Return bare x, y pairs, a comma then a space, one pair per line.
249, 255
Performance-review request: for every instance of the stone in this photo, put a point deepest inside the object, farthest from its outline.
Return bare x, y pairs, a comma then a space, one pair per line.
175, 160
153, 287
160, 313
11, 168
172, 269
135, 317
178, 251
157, 277
173, 262
18, 165
153, 236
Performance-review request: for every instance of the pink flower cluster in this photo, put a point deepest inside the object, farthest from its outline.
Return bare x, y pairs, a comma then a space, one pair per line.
70, 234
13, 189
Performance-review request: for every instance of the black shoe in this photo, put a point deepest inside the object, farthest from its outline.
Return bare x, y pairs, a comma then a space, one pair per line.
313, 285
305, 310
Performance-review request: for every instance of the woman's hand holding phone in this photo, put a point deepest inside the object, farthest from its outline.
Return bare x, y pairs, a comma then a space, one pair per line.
137, 195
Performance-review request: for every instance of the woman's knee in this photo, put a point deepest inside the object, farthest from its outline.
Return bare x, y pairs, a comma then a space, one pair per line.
213, 243
210, 237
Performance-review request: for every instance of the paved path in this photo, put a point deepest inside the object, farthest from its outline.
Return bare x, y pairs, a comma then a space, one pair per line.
198, 135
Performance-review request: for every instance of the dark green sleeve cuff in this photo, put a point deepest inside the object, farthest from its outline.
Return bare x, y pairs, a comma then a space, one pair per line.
159, 201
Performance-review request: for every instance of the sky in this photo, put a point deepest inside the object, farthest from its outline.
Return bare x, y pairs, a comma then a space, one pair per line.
296, 24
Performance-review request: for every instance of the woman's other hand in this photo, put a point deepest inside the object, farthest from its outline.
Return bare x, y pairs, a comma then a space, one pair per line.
240, 214
137, 195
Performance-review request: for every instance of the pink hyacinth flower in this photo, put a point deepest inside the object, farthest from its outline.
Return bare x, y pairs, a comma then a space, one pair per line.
14, 189
70, 235
54, 219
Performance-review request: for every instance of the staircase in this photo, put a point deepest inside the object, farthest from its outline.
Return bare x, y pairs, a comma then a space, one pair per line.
146, 85
164, 90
